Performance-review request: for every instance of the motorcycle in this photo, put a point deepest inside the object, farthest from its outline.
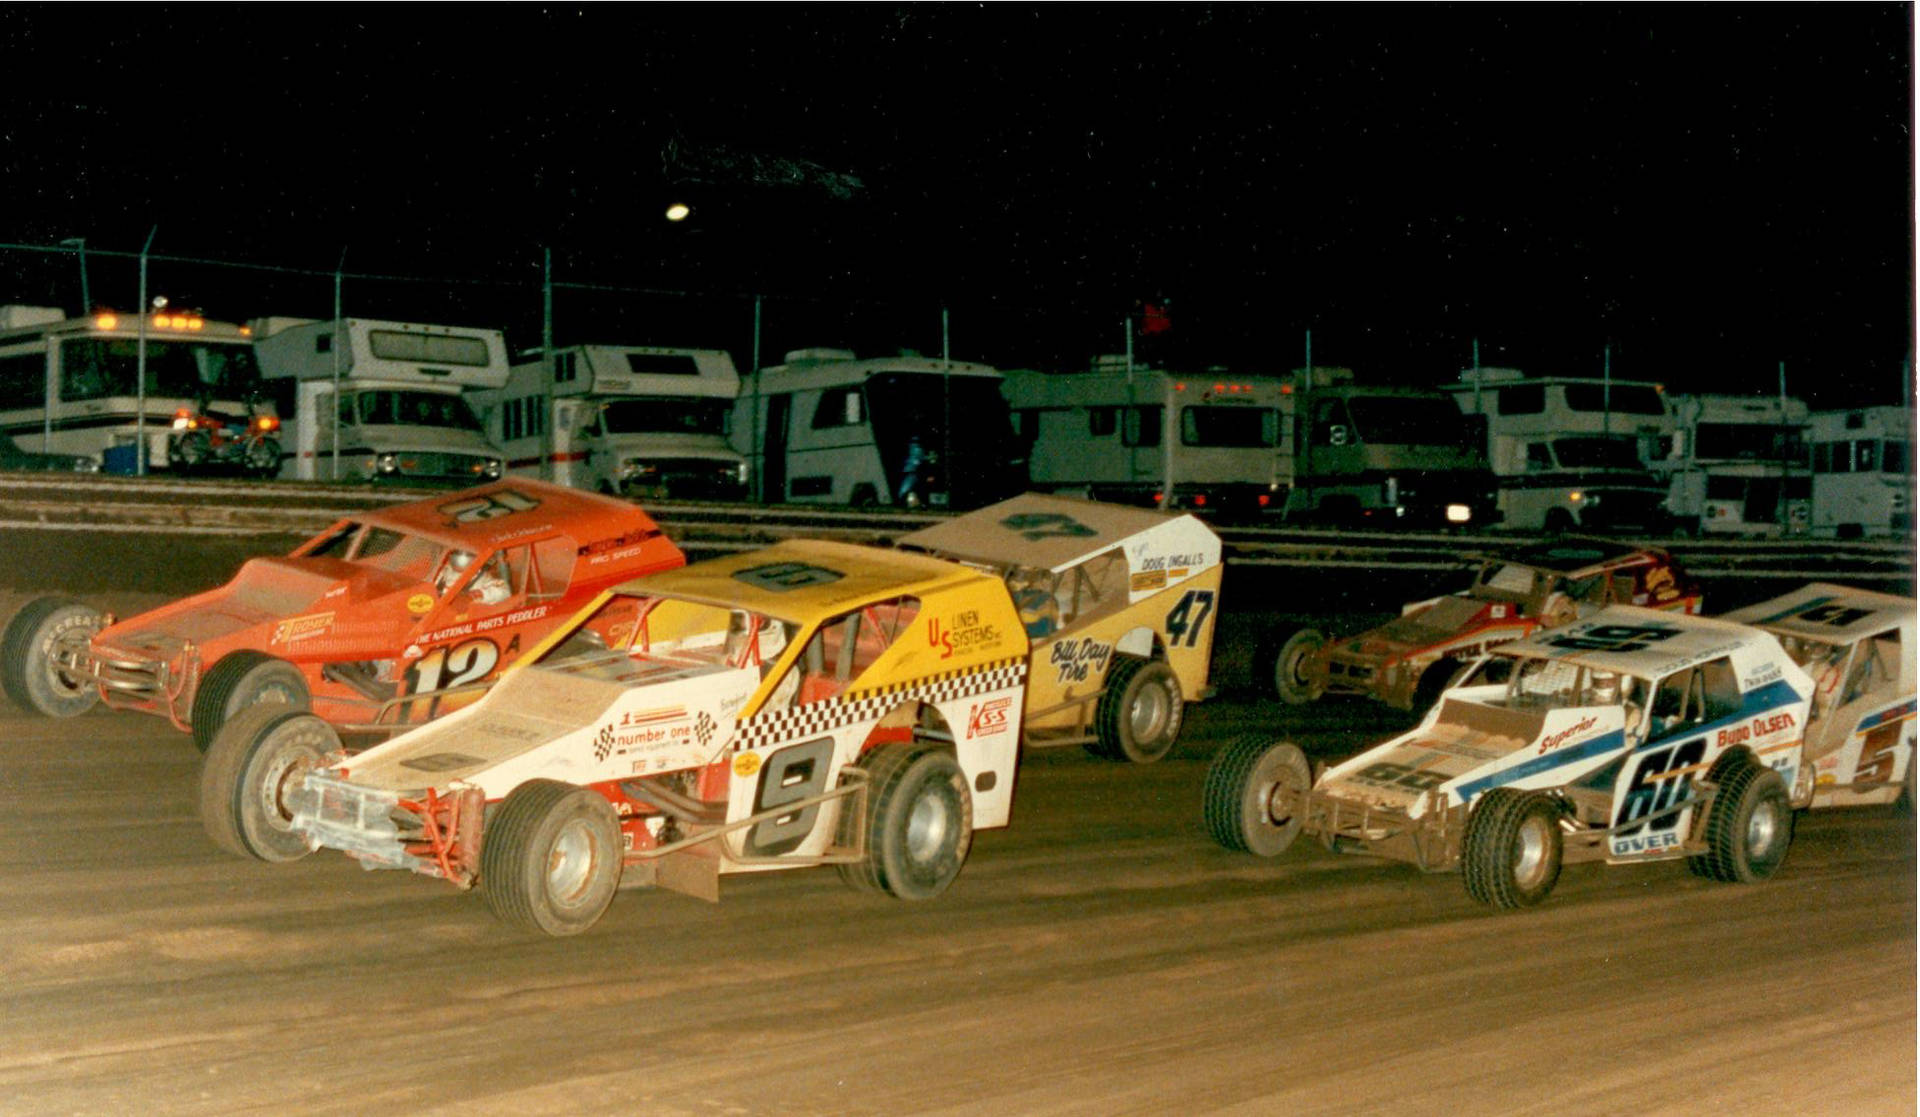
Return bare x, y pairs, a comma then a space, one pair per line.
205, 439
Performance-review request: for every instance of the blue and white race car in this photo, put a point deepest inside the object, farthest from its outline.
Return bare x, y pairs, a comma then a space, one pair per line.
1633, 735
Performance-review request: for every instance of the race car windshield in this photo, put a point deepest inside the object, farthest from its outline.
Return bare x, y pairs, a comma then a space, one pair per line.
1556, 684
628, 633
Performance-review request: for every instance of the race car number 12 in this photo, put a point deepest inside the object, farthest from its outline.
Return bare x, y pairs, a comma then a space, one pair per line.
453, 665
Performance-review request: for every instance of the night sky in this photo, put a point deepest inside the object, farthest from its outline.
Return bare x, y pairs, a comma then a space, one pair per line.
1707, 190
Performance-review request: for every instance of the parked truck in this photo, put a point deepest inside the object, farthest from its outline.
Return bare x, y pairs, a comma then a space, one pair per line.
1862, 472
366, 400
1571, 452
625, 419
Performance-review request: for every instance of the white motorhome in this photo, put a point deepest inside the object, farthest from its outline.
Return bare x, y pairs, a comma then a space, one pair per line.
1572, 452
1862, 472
403, 408
626, 419
72, 385
825, 426
1312, 445
1738, 465
1105, 434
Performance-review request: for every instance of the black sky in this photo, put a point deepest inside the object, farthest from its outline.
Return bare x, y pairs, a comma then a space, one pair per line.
1709, 190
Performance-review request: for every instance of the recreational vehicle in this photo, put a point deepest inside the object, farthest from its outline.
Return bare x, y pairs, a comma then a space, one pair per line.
826, 426
366, 400
1862, 472
1738, 465
1571, 452
624, 419
73, 385
1310, 446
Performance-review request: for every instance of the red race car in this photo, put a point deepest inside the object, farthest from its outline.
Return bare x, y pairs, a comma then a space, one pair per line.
388, 618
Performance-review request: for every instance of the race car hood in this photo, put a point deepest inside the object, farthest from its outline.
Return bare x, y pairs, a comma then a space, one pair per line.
538, 723
1404, 635
273, 604
1471, 745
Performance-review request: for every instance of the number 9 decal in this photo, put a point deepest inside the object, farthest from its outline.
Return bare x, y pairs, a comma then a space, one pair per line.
790, 775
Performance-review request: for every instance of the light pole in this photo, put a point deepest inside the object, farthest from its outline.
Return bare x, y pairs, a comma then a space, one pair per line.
79, 244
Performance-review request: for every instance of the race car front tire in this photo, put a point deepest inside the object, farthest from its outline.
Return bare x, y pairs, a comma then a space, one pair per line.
43, 629
1240, 795
1510, 855
1138, 718
239, 680
1285, 661
256, 759
1749, 825
918, 823
550, 857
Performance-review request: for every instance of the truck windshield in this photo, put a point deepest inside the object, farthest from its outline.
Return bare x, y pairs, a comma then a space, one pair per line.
667, 415
1598, 452
417, 409
1410, 421
97, 367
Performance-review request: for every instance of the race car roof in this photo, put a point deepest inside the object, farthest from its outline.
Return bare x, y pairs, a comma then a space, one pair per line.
806, 580
1575, 557
1829, 613
1638, 641
1054, 532
483, 517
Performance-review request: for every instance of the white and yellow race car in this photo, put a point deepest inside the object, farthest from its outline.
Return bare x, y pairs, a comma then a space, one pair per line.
1120, 605
811, 703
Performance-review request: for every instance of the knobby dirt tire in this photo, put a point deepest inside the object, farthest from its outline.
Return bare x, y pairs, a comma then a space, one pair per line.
239, 680
551, 857
1238, 797
1510, 853
1749, 826
27, 671
1285, 661
918, 822
253, 764
1140, 711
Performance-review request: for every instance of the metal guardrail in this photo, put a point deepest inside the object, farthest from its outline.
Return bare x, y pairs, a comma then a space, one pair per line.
84, 502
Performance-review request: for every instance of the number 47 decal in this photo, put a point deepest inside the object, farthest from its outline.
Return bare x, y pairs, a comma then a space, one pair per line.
1184, 623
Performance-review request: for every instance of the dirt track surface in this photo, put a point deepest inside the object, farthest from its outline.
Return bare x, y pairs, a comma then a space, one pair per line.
1100, 956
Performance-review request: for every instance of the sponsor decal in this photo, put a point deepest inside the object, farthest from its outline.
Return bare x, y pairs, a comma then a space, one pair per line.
1554, 740
1150, 580
1753, 730
626, 544
298, 628
746, 764
487, 624
1076, 660
989, 719
1175, 565
965, 634
419, 604
643, 730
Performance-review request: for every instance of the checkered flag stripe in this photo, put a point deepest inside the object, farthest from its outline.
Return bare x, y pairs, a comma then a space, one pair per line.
703, 727
819, 718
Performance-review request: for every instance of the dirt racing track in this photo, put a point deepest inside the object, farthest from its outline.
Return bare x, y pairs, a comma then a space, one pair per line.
1101, 955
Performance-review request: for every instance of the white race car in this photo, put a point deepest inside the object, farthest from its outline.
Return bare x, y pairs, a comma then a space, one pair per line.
1858, 647
1633, 735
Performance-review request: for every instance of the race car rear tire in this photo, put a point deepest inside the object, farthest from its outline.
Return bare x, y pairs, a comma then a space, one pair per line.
1138, 718
1749, 825
1284, 661
241, 679
255, 760
1510, 853
1239, 797
550, 857
918, 823
43, 629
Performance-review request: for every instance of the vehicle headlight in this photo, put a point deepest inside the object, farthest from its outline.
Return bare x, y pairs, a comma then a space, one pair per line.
633, 469
1459, 513
86, 465
387, 463
742, 472
493, 469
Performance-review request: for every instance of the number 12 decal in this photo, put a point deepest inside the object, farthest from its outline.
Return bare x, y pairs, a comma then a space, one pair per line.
453, 665
1184, 623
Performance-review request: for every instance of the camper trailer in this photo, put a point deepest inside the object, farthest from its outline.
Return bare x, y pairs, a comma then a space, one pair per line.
1738, 465
387, 402
73, 386
1571, 452
825, 426
624, 419
1862, 472
1310, 446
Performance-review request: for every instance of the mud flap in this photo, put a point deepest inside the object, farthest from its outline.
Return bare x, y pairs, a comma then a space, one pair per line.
694, 871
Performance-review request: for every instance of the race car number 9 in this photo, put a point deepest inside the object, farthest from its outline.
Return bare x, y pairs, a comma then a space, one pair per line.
790, 775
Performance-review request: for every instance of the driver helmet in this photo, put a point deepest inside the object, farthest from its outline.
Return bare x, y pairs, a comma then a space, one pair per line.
450, 573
